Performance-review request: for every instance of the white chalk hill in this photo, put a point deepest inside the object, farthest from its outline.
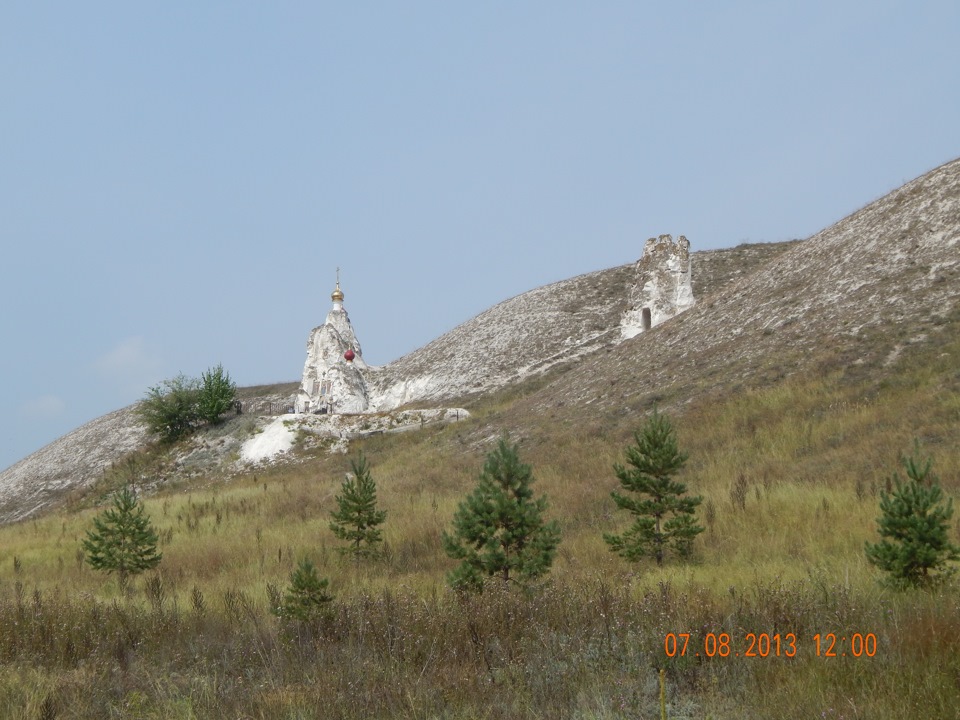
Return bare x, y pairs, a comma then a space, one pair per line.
891, 265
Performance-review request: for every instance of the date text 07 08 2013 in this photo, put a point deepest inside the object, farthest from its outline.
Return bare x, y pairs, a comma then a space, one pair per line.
763, 645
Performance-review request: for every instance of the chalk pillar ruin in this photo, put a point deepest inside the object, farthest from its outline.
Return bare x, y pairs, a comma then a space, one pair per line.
661, 287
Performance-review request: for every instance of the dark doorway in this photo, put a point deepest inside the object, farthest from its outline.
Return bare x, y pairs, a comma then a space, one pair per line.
645, 318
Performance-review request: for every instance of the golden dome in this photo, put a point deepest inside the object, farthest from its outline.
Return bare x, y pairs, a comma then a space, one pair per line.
337, 294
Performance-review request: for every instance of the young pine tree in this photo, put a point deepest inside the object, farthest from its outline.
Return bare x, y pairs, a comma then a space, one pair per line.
122, 539
664, 517
499, 529
356, 518
306, 596
914, 522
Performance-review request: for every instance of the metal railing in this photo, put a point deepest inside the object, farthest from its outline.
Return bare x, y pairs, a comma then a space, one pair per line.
265, 407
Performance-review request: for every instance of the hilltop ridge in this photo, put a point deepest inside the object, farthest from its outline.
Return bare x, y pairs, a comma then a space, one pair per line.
517, 338
852, 296
890, 271
544, 327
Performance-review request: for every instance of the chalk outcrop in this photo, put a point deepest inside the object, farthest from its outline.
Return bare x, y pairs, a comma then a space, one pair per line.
552, 325
662, 287
333, 374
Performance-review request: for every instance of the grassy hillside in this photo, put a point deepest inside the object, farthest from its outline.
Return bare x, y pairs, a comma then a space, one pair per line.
790, 475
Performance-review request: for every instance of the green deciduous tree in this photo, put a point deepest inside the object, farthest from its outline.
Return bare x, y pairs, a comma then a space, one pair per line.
169, 410
217, 394
356, 519
914, 522
122, 539
177, 407
664, 517
499, 529
306, 596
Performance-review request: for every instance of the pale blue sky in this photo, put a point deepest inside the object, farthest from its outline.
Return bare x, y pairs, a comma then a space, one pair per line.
178, 181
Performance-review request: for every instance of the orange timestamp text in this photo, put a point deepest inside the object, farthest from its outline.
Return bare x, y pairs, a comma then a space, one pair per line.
764, 645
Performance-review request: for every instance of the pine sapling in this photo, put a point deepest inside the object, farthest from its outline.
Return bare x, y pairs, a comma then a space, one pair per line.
307, 595
122, 539
664, 517
914, 524
357, 519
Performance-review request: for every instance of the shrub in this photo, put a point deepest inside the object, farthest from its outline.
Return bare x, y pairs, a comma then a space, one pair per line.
216, 394
175, 408
170, 410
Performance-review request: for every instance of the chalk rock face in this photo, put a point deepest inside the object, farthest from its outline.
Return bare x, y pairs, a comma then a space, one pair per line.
662, 286
330, 382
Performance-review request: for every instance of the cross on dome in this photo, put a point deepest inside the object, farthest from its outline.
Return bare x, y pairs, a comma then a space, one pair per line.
337, 294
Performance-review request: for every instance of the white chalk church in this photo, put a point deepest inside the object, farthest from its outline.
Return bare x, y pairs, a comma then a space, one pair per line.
333, 375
